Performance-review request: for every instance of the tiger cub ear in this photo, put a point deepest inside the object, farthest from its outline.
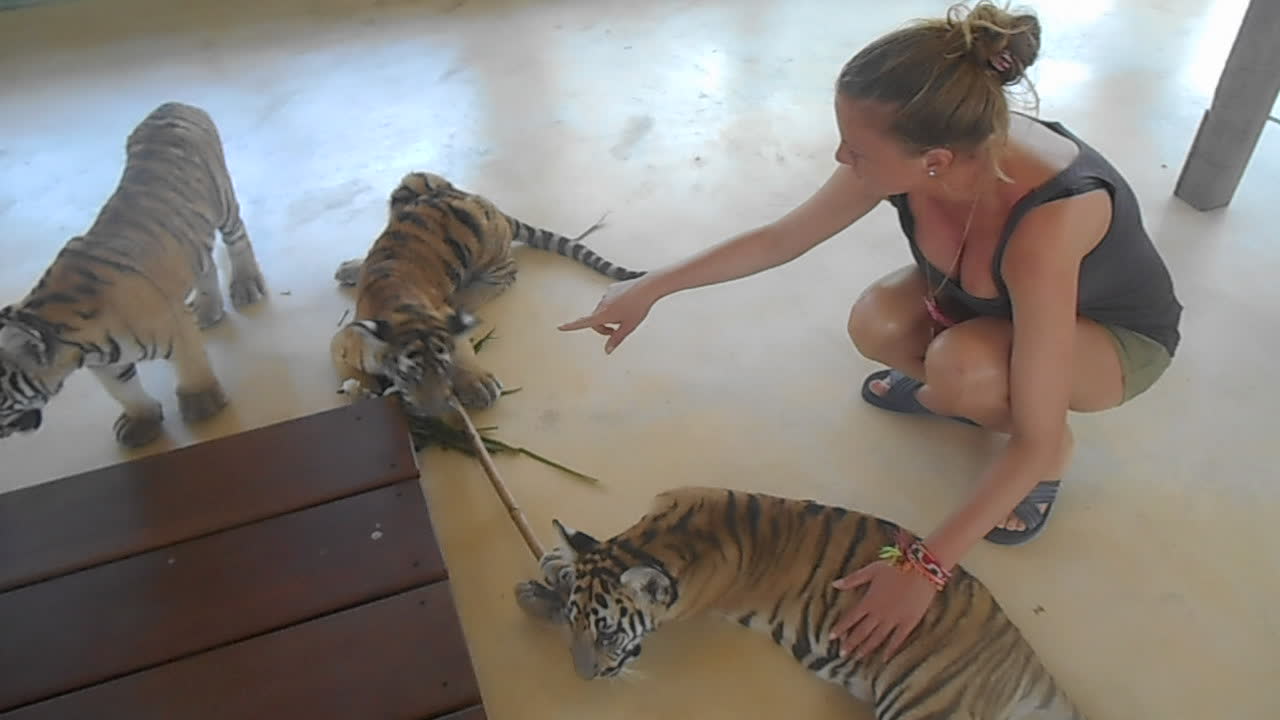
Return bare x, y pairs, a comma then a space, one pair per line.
576, 541
24, 339
649, 585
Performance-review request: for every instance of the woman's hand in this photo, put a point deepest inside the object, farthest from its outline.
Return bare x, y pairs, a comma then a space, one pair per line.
892, 607
624, 305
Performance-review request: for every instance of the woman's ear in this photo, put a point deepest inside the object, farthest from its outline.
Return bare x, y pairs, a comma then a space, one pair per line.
937, 161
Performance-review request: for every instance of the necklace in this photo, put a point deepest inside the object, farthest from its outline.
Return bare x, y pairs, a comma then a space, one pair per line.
940, 318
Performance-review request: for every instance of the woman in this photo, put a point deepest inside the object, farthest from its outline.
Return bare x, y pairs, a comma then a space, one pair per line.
1035, 288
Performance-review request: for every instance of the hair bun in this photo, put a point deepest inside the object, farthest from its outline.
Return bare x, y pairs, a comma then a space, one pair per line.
1002, 42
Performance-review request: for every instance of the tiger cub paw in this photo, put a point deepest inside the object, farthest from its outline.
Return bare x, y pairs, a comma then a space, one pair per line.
348, 272
201, 404
247, 288
558, 570
476, 389
539, 601
134, 431
208, 310
356, 391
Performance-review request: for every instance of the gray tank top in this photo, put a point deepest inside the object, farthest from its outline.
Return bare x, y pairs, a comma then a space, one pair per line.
1123, 281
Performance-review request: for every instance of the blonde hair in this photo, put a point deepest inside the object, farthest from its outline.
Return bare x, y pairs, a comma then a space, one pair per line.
947, 77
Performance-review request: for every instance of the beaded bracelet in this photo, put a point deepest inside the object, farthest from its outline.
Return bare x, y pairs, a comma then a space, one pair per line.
911, 554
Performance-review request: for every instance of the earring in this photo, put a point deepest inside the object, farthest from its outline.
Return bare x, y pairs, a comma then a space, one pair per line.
933, 172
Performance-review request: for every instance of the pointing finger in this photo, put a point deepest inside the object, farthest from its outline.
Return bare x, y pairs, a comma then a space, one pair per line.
582, 322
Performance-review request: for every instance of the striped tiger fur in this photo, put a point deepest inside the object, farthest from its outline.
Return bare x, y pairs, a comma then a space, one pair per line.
443, 254
138, 285
767, 563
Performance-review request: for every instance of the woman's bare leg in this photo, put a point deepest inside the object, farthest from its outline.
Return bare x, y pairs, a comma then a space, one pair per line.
966, 368
967, 371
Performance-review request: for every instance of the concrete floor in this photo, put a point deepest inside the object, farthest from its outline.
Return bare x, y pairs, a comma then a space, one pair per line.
1153, 593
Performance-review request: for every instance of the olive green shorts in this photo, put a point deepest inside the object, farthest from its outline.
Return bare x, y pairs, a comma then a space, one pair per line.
1142, 360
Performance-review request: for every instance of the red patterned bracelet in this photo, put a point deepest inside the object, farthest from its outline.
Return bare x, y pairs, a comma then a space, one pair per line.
910, 553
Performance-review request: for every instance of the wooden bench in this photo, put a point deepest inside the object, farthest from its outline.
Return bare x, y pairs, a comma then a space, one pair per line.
286, 572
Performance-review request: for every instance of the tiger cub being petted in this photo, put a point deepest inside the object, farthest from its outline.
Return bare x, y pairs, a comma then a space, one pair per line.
121, 293
768, 563
443, 253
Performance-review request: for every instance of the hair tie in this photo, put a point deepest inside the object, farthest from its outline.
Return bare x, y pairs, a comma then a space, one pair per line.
1002, 61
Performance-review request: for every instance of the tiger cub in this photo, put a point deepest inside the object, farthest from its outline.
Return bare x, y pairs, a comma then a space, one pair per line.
768, 563
119, 294
443, 254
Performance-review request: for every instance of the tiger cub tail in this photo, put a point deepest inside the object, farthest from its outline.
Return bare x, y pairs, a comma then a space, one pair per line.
550, 241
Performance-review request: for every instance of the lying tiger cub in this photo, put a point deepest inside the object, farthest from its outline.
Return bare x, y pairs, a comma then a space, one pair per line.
444, 253
768, 563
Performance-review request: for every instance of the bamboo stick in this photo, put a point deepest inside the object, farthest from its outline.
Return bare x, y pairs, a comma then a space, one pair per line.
495, 479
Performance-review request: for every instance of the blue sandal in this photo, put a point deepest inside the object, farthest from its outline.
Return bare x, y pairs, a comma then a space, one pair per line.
1026, 511
901, 395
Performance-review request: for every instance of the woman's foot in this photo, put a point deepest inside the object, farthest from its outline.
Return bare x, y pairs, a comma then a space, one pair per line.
1029, 516
893, 391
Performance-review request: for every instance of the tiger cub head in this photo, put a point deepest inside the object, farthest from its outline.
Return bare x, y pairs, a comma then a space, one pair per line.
414, 358
32, 369
607, 603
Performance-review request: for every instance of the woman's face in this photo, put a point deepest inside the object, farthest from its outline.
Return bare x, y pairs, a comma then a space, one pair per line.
871, 152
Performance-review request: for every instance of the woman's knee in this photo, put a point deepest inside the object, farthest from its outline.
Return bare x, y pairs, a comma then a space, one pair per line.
869, 330
967, 367
883, 321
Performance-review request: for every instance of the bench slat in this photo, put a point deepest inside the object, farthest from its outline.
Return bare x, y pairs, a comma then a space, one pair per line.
58, 527
400, 657
133, 613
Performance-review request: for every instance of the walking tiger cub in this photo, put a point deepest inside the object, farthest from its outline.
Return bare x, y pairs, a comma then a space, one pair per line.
444, 253
118, 294
768, 563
